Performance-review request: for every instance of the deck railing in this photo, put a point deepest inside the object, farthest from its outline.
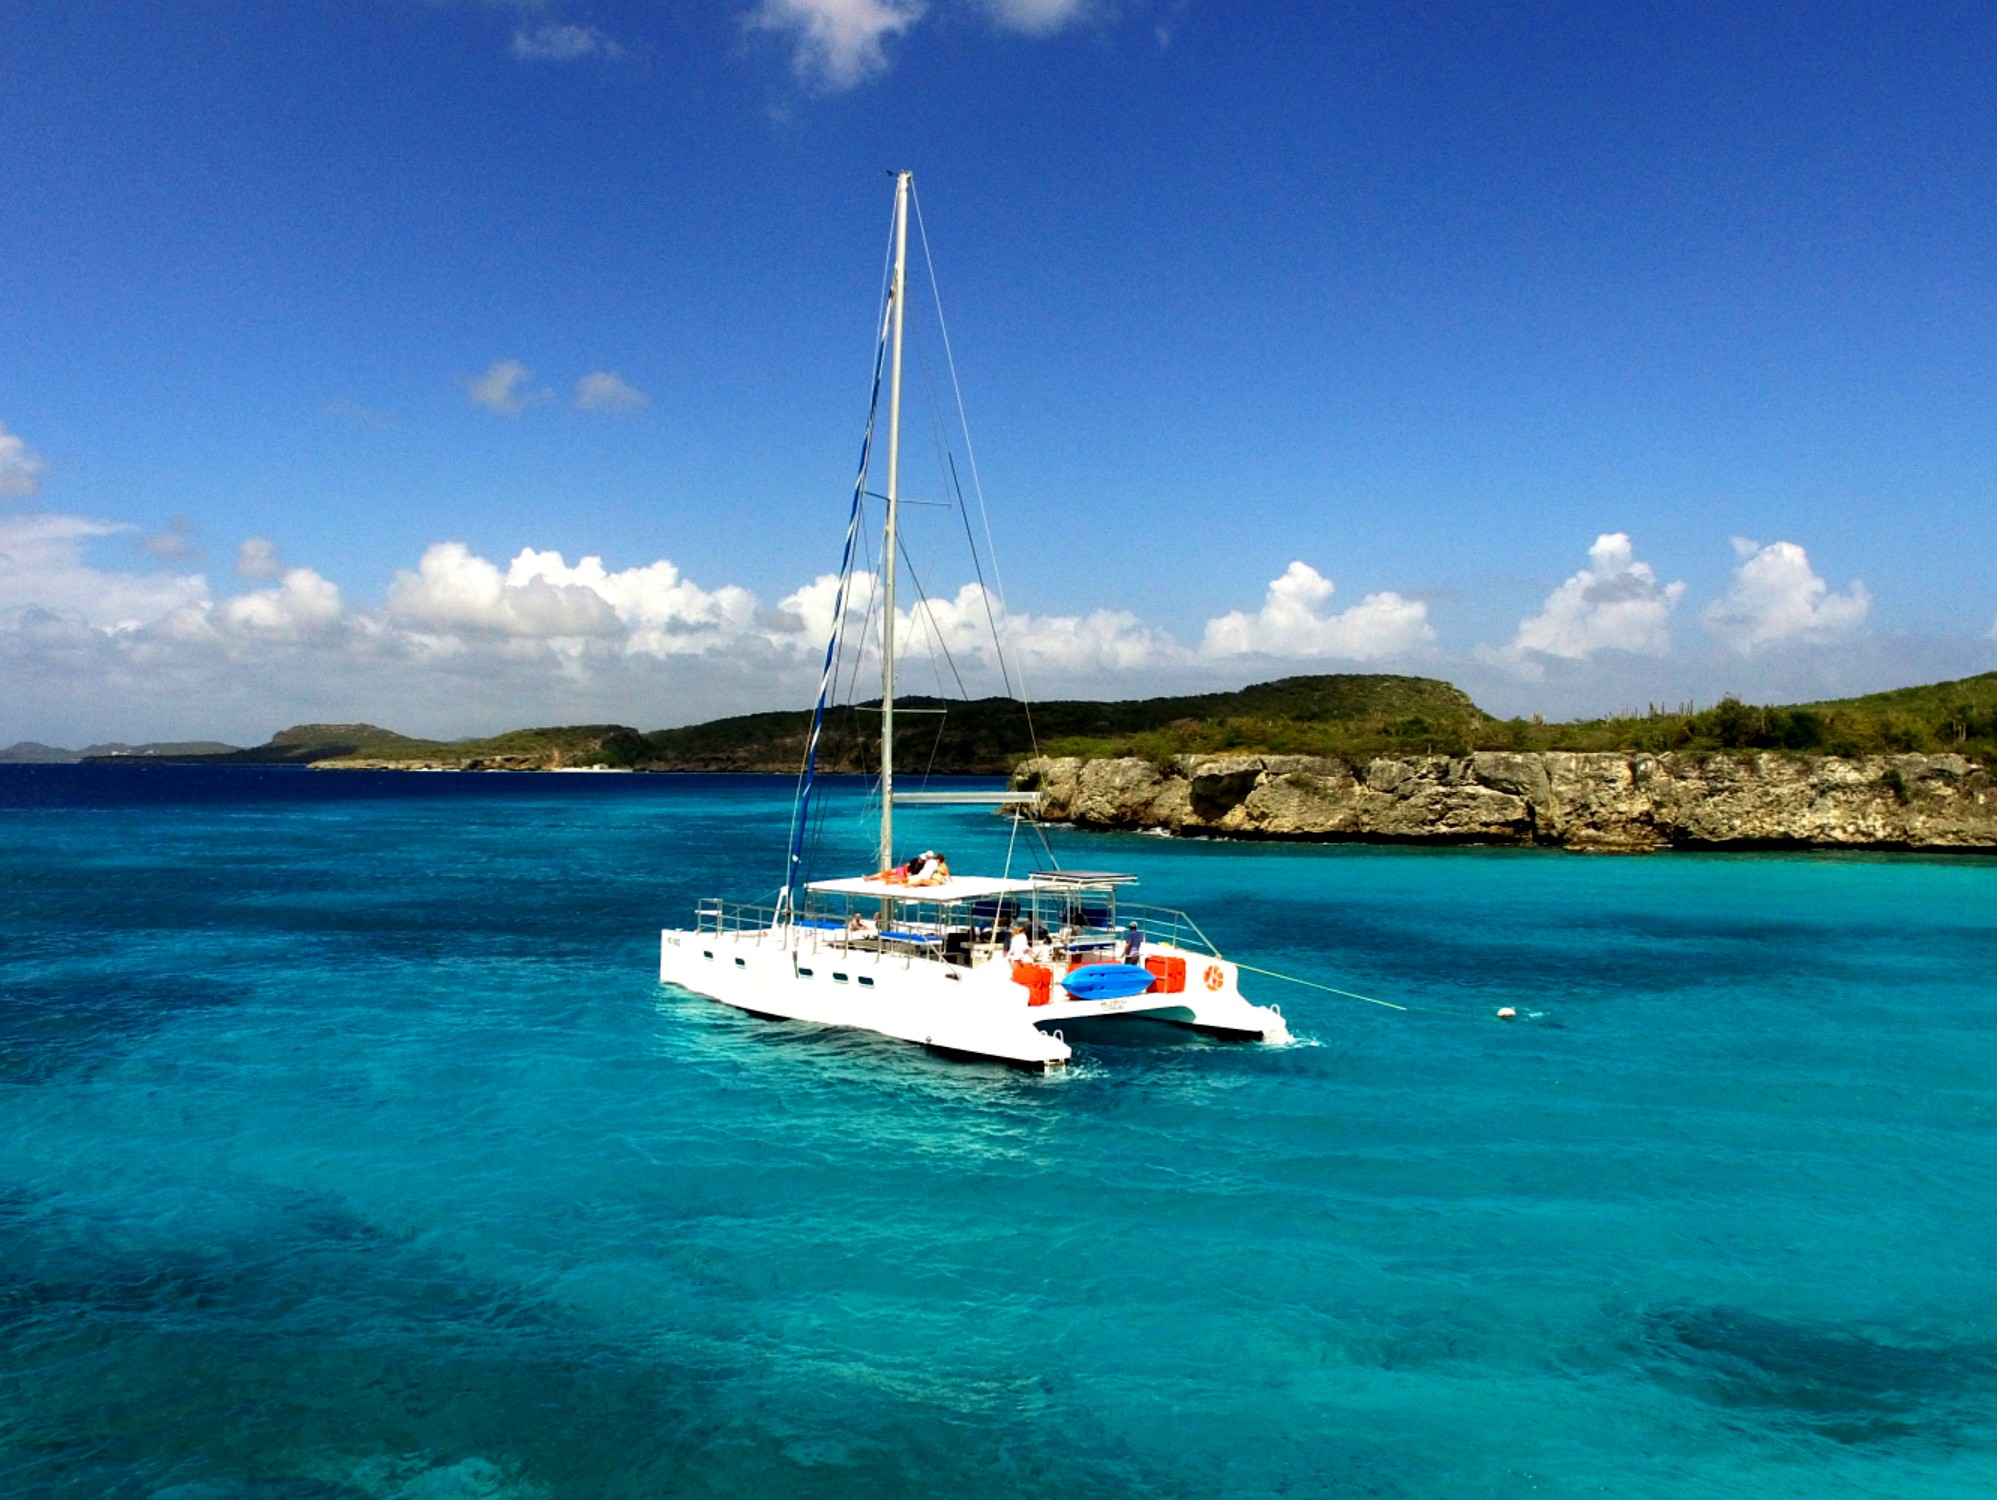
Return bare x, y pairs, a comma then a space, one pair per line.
1159, 924
734, 916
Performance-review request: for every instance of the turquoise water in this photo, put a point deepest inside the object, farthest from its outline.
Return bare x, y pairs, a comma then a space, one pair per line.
349, 1148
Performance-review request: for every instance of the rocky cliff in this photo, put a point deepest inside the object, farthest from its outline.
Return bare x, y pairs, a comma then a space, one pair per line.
1567, 799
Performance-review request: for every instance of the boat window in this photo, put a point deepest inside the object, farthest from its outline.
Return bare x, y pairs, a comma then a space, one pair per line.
741, 963
838, 976
803, 973
867, 979
707, 953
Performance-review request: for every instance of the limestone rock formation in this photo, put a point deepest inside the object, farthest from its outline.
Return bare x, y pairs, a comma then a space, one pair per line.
1569, 799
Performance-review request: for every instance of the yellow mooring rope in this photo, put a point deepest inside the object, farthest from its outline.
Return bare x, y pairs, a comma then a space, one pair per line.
1313, 984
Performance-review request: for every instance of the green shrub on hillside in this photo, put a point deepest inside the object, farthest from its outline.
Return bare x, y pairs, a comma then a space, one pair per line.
1950, 717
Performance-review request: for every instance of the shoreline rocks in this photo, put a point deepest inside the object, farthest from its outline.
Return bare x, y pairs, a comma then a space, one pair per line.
1626, 802
552, 761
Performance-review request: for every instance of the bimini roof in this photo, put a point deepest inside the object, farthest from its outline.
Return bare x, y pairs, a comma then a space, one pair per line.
957, 888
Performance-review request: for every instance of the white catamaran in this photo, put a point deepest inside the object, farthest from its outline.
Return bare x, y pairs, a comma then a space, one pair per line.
983, 966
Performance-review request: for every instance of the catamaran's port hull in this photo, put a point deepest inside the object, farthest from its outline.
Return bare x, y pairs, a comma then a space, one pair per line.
973, 1012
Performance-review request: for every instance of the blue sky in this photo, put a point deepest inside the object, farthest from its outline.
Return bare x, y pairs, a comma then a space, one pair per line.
1432, 304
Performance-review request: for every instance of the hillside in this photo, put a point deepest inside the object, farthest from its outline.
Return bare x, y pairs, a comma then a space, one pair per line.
1350, 715
1958, 717
1941, 718
324, 744
33, 753
985, 736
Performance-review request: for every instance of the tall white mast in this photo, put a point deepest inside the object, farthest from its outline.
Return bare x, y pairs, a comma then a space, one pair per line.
902, 182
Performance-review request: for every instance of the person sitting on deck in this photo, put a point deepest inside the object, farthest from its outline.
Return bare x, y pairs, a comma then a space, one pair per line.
1133, 945
860, 926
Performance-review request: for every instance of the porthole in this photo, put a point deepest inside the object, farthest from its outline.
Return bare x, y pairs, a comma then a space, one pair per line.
741, 963
804, 973
867, 980
840, 978
707, 953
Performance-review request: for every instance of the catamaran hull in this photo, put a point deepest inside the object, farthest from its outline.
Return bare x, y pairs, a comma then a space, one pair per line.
977, 1012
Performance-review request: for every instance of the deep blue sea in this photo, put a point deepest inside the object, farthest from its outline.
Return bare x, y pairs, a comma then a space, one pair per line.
350, 1149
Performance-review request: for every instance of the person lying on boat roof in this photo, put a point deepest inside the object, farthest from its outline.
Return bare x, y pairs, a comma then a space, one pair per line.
927, 868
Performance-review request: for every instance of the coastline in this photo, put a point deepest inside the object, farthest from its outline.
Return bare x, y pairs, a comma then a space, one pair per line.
1581, 801
1584, 801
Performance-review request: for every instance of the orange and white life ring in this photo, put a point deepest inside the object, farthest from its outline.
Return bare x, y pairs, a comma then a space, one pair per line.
1215, 977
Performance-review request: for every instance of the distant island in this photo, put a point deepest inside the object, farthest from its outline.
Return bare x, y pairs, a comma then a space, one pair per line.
1340, 756
33, 753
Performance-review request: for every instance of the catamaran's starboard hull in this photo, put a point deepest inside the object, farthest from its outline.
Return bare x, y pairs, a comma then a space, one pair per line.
975, 1012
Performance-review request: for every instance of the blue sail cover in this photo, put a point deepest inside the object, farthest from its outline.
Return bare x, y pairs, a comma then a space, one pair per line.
1107, 982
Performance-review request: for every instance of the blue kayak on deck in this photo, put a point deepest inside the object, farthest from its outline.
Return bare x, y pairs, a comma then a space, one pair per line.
1107, 982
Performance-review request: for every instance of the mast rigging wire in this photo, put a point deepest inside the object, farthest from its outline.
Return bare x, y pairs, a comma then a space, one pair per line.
970, 451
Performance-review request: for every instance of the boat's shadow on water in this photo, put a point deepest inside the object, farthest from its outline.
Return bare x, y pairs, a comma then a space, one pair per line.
827, 1055
1135, 1037
843, 1053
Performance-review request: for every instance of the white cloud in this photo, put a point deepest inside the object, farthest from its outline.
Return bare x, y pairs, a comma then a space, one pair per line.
807, 613
960, 627
460, 643
662, 613
557, 43
837, 43
43, 573
302, 603
456, 592
1039, 17
1776, 596
257, 558
464, 643
1105, 641
20, 467
176, 543
1614, 604
42, 568
656, 612
504, 388
607, 391
1293, 623
539, 598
